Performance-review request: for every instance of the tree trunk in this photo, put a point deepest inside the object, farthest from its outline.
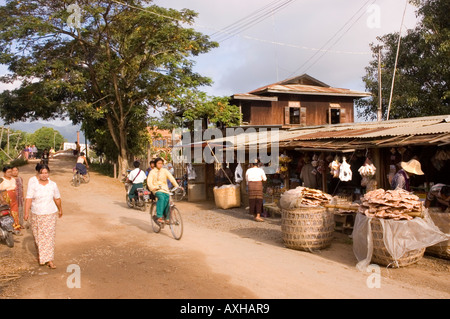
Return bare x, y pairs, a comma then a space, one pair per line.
123, 155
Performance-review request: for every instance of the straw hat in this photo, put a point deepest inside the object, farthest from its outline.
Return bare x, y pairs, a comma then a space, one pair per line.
413, 167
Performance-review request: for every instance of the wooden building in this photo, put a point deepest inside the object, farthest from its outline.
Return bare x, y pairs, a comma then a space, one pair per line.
299, 101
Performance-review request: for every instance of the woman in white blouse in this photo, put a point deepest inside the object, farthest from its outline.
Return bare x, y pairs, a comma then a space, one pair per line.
44, 201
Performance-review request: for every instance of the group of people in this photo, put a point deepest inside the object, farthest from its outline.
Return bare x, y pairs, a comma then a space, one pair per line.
41, 205
30, 152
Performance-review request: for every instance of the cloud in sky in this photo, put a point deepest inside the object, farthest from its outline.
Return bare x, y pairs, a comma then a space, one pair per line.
279, 46
252, 59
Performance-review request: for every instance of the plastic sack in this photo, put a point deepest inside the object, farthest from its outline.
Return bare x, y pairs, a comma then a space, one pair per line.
400, 237
292, 198
345, 172
238, 174
442, 221
191, 172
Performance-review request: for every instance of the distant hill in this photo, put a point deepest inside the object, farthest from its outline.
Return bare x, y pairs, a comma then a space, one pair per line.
69, 131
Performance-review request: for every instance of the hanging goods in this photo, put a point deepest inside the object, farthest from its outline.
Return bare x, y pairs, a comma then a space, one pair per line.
345, 172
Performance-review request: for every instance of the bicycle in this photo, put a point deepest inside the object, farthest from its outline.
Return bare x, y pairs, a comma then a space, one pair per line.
175, 221
77, 178
180, 192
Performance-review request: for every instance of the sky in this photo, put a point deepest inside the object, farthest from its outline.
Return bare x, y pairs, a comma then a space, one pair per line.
285, 43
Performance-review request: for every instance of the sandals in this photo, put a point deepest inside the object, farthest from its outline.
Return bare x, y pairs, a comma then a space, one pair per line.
258, 219
157, 220
50, 265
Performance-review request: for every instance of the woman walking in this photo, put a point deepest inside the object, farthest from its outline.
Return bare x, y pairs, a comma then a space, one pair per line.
255, 177
157, 183
43, 200
8, 188
19, 193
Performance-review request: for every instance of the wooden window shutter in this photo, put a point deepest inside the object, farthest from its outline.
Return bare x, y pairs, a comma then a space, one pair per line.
303, 115
343, 115
287, 115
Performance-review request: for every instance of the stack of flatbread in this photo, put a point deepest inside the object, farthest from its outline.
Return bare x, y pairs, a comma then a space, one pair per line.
392, 204
303, 197
314, 197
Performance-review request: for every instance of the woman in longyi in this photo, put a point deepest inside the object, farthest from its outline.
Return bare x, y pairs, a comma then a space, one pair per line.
9, 196
43, 201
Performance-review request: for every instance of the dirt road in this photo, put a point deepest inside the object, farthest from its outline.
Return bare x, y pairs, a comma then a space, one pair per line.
222, 255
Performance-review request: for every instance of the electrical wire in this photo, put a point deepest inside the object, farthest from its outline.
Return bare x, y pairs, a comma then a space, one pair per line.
329, 40
253, 20
242, 36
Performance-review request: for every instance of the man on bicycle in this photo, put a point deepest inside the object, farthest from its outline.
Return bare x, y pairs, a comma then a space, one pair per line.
80, 167
137, 178
157, 183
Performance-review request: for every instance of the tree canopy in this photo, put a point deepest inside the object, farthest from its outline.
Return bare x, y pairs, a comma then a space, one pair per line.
211, 110
126, 58
423, 73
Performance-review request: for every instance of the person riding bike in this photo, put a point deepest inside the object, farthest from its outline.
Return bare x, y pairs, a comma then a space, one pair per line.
80, 167
157, 183
137, 178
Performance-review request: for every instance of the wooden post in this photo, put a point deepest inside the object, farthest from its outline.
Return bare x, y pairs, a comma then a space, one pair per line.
324, 175
7, 143
378, 163
380, 100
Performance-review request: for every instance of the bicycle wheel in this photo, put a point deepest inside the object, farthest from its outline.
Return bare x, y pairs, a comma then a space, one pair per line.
156, 227
76, 180
178, 194
176, 223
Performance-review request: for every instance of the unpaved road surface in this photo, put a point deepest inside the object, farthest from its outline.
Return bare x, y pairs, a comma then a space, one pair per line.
222, 255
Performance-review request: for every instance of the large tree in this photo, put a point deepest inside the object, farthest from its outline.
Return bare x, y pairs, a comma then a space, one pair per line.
127, 57
187, 108
422, 79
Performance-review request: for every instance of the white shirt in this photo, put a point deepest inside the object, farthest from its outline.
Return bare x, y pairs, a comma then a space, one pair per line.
33, 180
43, 197
255, 174
140, 178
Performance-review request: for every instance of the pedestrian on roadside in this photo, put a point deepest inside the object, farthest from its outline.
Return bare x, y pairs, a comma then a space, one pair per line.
8, 188
255, 176
26, 152
19, 193
34, 151
43, 205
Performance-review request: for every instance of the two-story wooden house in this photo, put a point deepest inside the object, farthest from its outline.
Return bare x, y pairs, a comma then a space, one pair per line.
299, 101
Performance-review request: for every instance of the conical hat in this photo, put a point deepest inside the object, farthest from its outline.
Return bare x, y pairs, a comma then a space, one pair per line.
413, 167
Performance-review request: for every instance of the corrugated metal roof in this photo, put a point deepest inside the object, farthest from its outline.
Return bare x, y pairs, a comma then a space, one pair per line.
426, 129
310, 89
413, 126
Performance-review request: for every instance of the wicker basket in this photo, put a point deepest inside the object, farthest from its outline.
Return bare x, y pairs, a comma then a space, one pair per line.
442, 221
382, 257
307, 228
227, 197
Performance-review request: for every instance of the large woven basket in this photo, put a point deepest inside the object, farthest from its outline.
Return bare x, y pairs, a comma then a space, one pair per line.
382, 257
307, 229
227, 197
442, 221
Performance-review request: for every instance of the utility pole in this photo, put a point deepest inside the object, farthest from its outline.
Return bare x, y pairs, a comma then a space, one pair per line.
380, 99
